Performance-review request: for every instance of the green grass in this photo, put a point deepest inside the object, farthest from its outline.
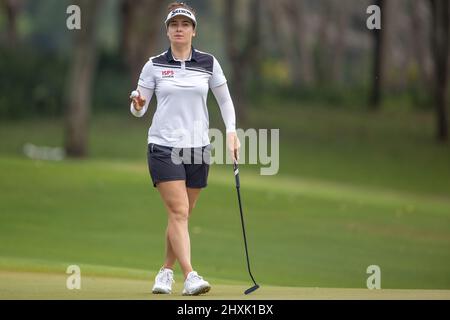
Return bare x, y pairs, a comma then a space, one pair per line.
388, 149
300, 233
353, 190
391, 149
28, 285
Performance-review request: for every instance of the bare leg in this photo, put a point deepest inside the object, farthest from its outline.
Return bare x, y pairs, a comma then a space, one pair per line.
193, 195
175, 197
170, 254
169, 263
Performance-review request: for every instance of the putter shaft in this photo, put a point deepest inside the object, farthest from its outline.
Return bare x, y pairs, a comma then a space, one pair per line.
238, 186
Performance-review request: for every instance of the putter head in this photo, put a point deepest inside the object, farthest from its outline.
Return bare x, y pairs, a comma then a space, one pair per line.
250, 290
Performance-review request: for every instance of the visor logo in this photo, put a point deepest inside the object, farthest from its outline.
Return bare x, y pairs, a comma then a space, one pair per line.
174, 12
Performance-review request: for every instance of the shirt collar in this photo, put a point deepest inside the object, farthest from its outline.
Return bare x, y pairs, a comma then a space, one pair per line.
170, 57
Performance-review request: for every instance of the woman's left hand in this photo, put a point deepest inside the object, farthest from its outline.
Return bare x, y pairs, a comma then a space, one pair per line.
234, 145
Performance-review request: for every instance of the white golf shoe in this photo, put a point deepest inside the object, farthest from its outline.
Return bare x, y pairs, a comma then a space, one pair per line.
163, 282
195, 285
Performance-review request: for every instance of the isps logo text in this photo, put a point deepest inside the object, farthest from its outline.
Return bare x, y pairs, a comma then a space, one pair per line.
168, 73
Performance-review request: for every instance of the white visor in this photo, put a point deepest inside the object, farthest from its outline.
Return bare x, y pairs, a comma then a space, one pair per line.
181, 12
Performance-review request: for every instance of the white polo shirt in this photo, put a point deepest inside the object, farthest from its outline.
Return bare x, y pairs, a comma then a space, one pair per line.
181, 87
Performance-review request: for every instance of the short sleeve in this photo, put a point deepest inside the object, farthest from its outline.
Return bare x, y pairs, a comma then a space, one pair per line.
217, 78
147, 79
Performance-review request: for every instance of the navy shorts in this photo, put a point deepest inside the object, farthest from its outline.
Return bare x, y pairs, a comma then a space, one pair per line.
169, 163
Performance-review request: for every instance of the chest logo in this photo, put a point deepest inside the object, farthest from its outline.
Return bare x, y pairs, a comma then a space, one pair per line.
167, 74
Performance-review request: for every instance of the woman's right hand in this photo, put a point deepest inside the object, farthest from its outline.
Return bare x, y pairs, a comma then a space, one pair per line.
138, 101
233, 146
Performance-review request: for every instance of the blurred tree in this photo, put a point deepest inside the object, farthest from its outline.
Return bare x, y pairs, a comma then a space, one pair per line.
322, 47
295, 14
419, 22
81, 75
379, 56
440, 43
12, 8
244, 56
339, 12
141, 24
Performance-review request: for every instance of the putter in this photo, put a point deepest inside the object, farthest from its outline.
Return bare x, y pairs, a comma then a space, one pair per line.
238, 186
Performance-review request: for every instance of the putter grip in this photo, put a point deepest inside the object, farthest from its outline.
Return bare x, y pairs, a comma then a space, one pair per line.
236, 175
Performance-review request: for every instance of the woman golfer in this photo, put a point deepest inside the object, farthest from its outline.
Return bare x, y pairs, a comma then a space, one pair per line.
178, 141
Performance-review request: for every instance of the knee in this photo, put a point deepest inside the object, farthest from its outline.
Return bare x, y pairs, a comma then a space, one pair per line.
179, 212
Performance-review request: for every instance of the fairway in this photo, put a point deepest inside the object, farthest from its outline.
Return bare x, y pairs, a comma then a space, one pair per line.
15, 285
330, 233
305, 227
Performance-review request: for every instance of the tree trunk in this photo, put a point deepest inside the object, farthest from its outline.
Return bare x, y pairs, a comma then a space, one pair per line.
245, 60
80, 79
301, 60
378, 54
234, 58
139, 32
323, 48
339, 10
12, 8
279, 30
440, 9
253, 51
419, 40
